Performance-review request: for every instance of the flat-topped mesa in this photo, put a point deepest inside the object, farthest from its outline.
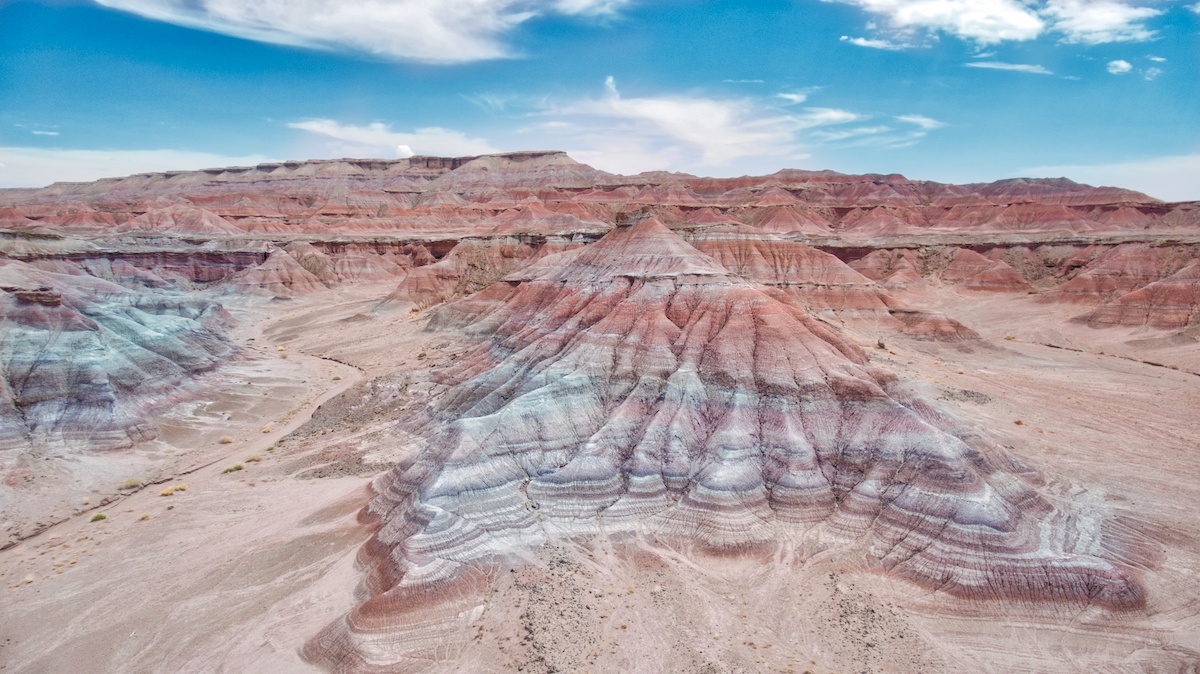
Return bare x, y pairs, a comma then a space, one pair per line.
636, 389
456, 195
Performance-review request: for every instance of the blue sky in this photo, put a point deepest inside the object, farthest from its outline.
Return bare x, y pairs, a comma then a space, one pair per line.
1102, 91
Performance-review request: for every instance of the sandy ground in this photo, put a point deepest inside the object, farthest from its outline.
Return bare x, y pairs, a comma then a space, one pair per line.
238, 571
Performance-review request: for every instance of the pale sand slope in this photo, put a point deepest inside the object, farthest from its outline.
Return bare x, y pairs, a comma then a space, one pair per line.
236, 578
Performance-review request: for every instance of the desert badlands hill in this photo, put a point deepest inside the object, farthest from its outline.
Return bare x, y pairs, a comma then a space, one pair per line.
511, 413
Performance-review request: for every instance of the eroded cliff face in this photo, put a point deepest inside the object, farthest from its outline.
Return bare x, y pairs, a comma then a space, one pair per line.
665, 361
84, 360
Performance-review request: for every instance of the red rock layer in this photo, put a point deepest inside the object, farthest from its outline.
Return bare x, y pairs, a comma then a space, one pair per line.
547, 192
1118, 270
976, 272
1173, 302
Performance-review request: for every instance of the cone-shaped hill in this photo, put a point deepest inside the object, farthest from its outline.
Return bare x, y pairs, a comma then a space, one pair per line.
636, 389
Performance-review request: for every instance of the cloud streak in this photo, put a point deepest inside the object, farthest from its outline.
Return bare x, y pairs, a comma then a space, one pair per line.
872, 43
379, 139
430, 31
701, 133
1014, 67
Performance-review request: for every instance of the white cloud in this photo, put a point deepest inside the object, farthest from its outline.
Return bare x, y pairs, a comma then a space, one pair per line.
379, 138
1016, 67
689, 132
711, 135
872, 43
694, 129
1173, 178
44, 133
987, 22
921, 121
1099, 21
982, 21
743, 81
432, 31
814, 117
38, 167
793, 98
1195, 8
1157, 59
1151, 73
1119, 67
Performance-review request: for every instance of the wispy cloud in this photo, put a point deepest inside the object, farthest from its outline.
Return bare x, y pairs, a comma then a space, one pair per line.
1151, 73
921, 121
431, 31
1172, 177
872, 43
1099, 21
743, 81
695, 129
1015, 67
1119, 67
710, 134
378, 138
793, 98
38, 167
44, 133
1157, 59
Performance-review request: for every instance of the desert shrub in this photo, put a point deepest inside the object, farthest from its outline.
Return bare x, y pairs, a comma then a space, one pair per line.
225, 440
98, 516
130, 483
253, 459
234, 468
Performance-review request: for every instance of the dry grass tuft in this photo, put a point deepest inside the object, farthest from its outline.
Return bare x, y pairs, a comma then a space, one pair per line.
144, 517
337, 377
234, 468
98, 516
130, 483
253, 459
225, 440
170, 491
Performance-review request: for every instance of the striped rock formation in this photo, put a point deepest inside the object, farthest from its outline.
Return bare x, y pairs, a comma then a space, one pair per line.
635, 388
